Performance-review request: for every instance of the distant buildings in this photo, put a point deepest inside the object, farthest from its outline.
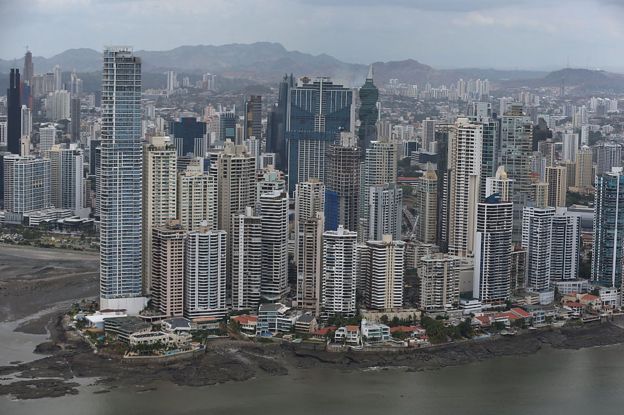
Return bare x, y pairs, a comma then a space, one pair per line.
189, 136
368, 113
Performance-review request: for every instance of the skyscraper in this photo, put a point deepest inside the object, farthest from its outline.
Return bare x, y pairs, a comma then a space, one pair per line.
608, 155
382, 267
75, 119
309, 262
47, 137
537, 241
426, 206
276, 125
27, 183
368, 113
492, 250
14, 115
438, 281
29, 70
253, 117
67, 181
342, 187
339, 272
556, 177
205, 273
159, 195
317, 112
566, 244
385, 211
189, 136
428, 133
608, 229
570, 146
274, 212
465, 145
500, 184
227, 127
167, 268
246, 260
584, 168
121, 183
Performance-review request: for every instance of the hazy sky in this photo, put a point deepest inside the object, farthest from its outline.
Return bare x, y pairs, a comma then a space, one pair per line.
443, 33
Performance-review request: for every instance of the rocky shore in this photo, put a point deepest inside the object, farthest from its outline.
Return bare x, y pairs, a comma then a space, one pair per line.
231, 360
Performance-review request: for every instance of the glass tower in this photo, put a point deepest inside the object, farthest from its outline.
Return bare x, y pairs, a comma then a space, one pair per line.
120, 182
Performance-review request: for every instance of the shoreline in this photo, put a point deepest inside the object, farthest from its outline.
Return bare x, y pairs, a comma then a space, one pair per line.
67, 360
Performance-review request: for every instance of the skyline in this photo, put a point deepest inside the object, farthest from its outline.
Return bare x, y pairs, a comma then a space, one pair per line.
527, 34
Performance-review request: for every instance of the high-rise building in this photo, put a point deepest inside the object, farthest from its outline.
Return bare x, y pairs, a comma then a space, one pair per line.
57, 105
490, 148
197, 199
608, 155
270, 180
159, 195
58, 78
492, 250
556, 177
27, 183
236, 176
342, 187
47, 138
276, 125
385, 211
205, 273
426, 206
428, 133
121, 193
317, 112
309, 200
29, 70
584, 168
608, 238
379, 167
499, 184
537, 241
540, 194
253, 117
75, 119
274, 212
570, 146
14, 114
566, 244
66, 177
381, 268
227, 126
167, 268
464, 152
189, 136
310, 262
246, 260
438, 281
26, 116
172, 81
339, 272
368, 113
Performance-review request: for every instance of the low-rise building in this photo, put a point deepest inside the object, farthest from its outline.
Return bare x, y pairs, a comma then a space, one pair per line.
374, 332
123, 327
572, 286
177, 325
348, 334
306, 324
248, 324
273, 319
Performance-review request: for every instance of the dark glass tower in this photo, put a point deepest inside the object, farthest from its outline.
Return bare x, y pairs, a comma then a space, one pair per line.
276, 126
14, 113
188, 134
253, 117
368, 114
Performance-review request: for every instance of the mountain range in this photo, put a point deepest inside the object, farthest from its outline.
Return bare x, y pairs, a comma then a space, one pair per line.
266, 62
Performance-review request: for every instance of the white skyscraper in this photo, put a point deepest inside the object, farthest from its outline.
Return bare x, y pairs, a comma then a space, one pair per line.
27, 183
205, 273
536, 240
47, 138
492, 251
246, 260
196, 198
274, 212
120, 194
339, 272
26, 121
57, 105
464, 163
67, 180
570, 146
385, 215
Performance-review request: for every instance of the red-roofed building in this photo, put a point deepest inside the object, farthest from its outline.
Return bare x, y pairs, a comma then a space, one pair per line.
590, 300
248, 324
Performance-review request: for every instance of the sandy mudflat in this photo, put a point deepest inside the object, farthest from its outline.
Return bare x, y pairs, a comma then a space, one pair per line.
34, 279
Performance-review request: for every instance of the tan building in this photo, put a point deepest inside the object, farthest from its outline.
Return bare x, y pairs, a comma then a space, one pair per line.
167, 268
438, 282
196, 202
540, 194
159, 194
426, 205
584, 169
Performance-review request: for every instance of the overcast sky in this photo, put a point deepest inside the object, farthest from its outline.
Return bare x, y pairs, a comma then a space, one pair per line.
532, 34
